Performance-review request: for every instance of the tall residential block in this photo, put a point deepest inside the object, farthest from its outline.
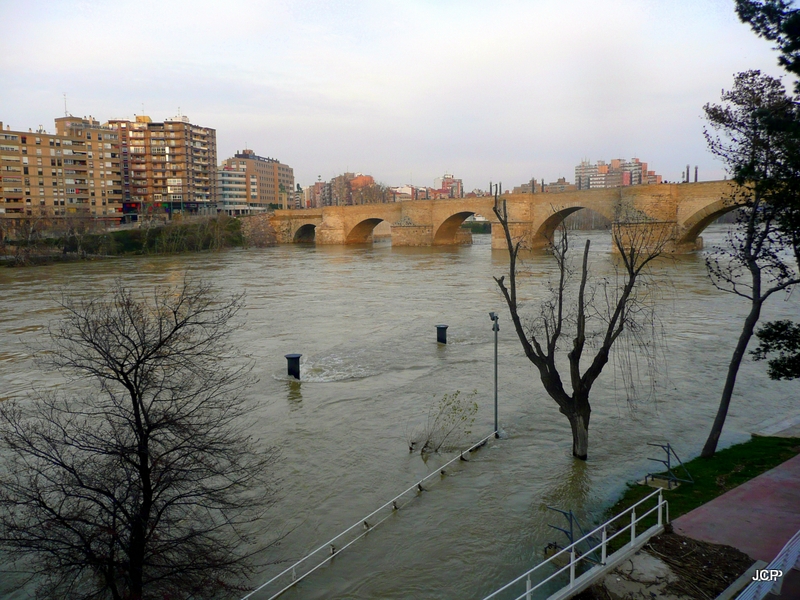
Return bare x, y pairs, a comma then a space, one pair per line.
232, 192
616, 173
270, 183
74, 171
452, 187
167, 167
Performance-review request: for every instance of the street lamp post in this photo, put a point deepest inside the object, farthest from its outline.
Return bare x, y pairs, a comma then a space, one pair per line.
495, 327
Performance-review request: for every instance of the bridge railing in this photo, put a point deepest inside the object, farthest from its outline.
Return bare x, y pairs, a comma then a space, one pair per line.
289, 577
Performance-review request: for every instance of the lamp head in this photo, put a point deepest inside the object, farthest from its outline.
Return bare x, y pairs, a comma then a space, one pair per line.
492, 316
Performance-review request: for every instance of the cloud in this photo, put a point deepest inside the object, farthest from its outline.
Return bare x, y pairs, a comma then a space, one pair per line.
501, 91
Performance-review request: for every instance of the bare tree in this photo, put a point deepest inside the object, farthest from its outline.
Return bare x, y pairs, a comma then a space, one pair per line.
28, 232
74, 230
758, 138
143, 484
374, 193
449, 421
600, 315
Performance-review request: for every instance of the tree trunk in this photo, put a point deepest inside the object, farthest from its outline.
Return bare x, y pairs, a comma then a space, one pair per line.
579, 422
733, 369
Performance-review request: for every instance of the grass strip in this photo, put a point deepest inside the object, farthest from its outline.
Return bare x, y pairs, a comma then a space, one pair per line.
713, 476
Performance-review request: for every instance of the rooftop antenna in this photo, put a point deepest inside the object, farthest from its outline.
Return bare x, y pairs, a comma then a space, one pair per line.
66, 113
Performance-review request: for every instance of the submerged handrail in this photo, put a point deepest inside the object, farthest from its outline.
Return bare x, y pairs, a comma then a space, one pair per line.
364, 522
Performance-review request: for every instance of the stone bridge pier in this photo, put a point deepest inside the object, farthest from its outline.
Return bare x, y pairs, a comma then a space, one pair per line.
678, 212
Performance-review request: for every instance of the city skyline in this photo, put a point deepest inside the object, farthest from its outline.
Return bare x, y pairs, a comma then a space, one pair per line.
404, 91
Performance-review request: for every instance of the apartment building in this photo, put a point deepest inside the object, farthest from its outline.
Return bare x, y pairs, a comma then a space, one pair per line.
270, 183
452, 187
232, 192
559, 186
617, 173
316, 193
168, 167
72, 172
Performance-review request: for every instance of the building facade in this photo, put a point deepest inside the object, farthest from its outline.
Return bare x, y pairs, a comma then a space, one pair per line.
617, 173
232, 192
73, 172
559, 186
449, 186
168, 167
270, 183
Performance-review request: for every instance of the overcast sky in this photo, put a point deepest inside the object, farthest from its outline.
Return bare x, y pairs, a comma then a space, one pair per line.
404, 90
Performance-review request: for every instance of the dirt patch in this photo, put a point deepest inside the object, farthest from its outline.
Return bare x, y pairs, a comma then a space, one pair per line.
702, 571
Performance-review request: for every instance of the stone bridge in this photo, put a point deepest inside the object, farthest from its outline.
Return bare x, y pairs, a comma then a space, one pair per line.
686, 209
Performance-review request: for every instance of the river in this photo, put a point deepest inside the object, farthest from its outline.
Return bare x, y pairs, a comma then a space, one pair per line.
363, 318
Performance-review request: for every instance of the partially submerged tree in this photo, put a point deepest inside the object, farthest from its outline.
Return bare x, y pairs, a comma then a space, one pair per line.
449, 421
145, 483
594, 318
756, 136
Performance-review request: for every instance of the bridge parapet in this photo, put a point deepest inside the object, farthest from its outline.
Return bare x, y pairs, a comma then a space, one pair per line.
687, 208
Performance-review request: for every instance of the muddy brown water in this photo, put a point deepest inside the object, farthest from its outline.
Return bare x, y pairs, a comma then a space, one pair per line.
363, 318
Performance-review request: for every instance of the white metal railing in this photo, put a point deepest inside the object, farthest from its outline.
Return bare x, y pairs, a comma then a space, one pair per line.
364, 523
788, 558
593, 546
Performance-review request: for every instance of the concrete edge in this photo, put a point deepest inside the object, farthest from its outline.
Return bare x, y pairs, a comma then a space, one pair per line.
777, 427
737, 586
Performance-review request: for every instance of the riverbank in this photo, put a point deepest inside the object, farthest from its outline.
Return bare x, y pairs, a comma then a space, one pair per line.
81, 242
692, 565
714, 476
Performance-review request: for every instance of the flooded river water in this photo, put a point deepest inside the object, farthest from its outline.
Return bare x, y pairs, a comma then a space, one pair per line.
363, 318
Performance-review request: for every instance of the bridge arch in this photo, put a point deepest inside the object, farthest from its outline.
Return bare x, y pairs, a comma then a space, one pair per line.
694, 225
544, 234
305, 234
361, 232
446, 234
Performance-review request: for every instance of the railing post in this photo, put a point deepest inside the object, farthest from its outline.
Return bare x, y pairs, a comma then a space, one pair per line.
571, 566
633, 526
660, 507
528, 588
604, 549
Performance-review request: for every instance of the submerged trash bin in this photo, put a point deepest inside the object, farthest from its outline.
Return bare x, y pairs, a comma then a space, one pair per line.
293, 363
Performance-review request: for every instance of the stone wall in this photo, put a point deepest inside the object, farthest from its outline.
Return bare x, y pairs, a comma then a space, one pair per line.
257, 231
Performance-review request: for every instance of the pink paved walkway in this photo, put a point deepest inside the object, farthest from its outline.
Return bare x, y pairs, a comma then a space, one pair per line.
758, 517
